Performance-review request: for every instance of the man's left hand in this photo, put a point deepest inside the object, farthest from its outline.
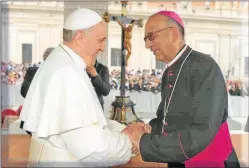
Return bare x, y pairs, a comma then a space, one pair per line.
91, 70
134, 150
135, 132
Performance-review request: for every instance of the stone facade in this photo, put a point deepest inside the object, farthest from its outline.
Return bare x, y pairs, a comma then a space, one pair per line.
219, 31
216, 28
35, 23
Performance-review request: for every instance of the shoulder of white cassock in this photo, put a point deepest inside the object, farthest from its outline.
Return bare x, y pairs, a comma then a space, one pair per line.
60, 99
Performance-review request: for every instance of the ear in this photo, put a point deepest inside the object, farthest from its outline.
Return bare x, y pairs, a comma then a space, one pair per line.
79, 36
175, 34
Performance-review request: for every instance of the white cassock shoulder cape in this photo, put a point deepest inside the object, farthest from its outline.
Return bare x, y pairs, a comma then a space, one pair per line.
61, 102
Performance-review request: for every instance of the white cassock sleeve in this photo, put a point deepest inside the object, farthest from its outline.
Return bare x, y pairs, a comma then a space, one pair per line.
105, 147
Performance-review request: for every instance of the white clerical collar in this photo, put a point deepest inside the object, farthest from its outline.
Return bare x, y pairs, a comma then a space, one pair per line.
79, 61
176, 57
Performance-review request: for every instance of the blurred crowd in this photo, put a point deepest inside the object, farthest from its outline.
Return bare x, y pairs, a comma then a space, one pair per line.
135, 80
237, 88
138, 80
12, 73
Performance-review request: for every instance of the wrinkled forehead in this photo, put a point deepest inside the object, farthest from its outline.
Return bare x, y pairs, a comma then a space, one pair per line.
155, 22
103, 30
100, 29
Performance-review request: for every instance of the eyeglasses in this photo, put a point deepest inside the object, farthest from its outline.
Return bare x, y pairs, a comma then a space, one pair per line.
151, 35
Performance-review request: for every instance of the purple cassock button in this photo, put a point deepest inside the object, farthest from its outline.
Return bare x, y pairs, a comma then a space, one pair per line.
170, 86
170, 74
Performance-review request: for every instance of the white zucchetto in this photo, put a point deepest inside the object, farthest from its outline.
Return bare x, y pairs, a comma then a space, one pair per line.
82, 18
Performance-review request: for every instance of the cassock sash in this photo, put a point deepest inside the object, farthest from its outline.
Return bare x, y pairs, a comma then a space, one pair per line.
216, 153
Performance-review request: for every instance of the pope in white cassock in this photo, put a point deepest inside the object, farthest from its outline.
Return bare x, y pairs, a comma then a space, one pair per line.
62, 109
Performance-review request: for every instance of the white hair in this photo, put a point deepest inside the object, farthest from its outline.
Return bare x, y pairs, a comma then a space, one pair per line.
68, 34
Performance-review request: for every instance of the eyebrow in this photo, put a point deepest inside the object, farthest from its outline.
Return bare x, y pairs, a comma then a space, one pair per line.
102, 39
151, 30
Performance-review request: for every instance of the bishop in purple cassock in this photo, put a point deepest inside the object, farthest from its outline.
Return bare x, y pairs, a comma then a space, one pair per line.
191, 128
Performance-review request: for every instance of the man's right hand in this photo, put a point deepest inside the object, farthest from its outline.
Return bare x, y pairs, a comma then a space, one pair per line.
147, 128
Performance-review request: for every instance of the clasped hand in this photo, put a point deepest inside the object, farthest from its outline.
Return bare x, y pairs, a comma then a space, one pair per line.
91, 70
135, 132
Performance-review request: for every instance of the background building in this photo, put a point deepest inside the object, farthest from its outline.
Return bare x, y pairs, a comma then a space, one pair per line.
218, 28
28, 28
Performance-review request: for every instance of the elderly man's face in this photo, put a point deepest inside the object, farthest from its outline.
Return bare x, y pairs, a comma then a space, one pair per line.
94, 42
160, 42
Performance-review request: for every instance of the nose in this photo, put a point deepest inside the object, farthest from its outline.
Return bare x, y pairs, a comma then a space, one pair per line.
148, 44
102, 47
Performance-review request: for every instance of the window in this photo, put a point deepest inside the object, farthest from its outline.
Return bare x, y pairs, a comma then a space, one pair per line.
244, 4
232, 70
27, 53
116, 57
235, 4
207, 3
160, 65
226, 4
246, 73
217, 4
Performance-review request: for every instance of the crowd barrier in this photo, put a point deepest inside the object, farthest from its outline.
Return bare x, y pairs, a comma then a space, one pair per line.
146, 103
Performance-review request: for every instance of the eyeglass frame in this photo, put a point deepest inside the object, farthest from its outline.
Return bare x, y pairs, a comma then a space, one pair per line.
150, 34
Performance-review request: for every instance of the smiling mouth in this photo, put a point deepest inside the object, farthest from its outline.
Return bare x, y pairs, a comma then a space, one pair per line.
155, 52
96, 54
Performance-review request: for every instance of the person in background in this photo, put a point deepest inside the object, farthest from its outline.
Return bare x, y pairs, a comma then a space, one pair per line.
31, 71
99, 75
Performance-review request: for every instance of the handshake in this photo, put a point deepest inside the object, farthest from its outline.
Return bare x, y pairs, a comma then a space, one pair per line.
135, 132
